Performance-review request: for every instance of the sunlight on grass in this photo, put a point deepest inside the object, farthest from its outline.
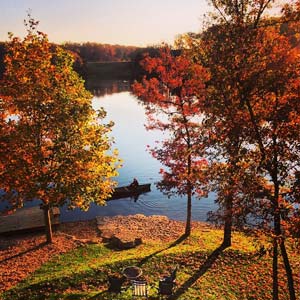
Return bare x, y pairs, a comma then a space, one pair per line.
237, 274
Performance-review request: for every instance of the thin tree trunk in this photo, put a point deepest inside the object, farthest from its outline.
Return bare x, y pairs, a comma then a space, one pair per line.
188, 213
275, 270
48, 226
277, 225
228, 223
277, 231
189, 200
288, 269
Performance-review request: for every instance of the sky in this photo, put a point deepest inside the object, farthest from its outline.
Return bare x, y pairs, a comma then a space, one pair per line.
123, 22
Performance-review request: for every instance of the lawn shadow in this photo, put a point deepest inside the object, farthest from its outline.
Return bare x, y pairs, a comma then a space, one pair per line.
73, 284
41, 245
100, 295
206, 265
175, 243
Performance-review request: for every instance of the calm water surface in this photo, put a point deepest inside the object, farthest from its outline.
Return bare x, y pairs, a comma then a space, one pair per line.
131, 139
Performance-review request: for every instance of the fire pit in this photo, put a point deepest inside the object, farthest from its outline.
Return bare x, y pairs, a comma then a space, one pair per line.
132, 272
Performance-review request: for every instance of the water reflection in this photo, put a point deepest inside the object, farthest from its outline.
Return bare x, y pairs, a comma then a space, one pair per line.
107, 87
131, 139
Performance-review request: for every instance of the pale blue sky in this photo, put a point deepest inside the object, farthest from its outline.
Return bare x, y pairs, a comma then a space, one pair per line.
125, 22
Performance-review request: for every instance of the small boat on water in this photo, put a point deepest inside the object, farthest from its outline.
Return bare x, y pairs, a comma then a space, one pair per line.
130, 191
32, 218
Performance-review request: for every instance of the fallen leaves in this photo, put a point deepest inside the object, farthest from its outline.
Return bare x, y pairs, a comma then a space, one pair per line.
20, 255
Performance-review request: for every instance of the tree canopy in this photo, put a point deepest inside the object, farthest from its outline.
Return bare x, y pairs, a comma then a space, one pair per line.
173, 93
248, 121
54, 146
252, 112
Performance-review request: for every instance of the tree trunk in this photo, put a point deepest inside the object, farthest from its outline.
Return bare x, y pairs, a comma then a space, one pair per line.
275, 270
189, 200
277, 225
277, 231
228, 223
188, 213
48, 226
288, 269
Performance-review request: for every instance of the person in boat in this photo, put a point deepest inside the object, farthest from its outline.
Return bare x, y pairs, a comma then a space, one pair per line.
134, 183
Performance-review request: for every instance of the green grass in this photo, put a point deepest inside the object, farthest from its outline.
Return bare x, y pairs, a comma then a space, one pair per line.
237, 274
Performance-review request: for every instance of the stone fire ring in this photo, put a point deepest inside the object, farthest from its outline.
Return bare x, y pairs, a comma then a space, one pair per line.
132, 272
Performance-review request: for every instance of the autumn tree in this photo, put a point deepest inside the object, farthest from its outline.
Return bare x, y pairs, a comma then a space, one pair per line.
254, 68
273, 108
230, 171
172, 91
56, 146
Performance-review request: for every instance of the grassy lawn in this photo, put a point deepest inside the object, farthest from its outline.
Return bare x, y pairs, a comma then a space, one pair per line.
238, 273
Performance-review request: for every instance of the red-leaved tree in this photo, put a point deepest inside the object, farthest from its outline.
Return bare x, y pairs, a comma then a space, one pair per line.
253, 110
173, 94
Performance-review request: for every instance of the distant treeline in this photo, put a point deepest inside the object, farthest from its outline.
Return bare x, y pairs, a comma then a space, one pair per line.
94, 52
2, 53
87, 53
90, 56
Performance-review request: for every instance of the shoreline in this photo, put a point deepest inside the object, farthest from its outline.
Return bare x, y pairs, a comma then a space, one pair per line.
23, 253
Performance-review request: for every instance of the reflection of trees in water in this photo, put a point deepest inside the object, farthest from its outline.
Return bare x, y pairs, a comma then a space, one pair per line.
108, 87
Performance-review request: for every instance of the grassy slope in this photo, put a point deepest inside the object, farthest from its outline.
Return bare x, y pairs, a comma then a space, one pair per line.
238, 273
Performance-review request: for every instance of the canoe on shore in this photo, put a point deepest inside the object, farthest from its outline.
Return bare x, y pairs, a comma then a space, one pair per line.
128, 191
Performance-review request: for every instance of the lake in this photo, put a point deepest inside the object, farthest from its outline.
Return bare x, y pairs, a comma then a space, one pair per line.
131, 139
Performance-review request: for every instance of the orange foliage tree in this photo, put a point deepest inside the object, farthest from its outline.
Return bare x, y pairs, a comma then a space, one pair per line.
172, 94
55, 146
273, 108
253, 109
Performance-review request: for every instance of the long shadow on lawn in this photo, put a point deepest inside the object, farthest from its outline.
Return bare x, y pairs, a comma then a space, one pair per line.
41, 245
99, 295
206, 265
175, 243
59, 285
